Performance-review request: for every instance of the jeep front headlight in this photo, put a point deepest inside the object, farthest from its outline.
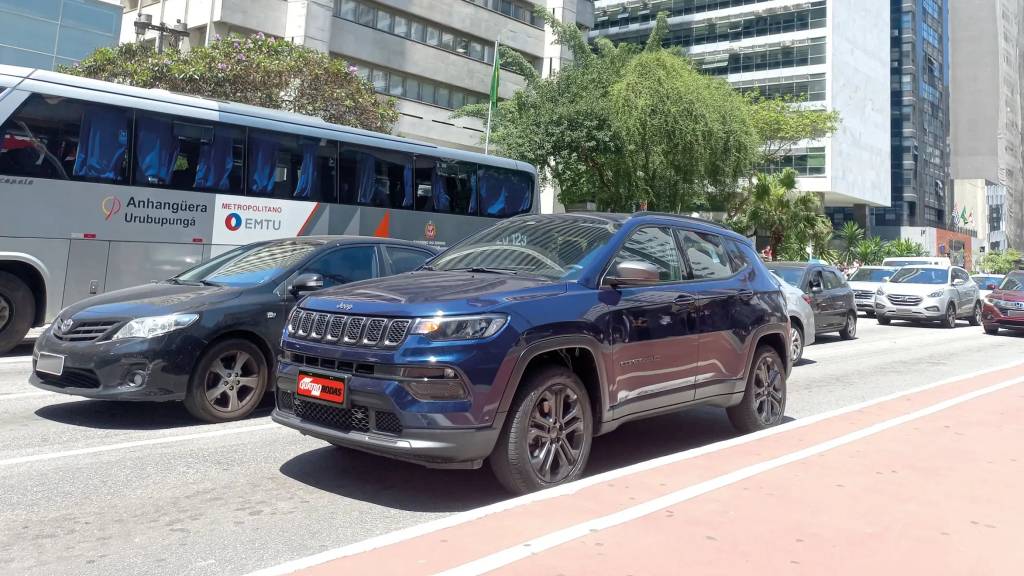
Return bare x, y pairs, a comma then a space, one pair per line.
443, 329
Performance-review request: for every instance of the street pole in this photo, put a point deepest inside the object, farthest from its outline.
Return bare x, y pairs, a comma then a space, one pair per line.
490, 108
160, 34
209, 24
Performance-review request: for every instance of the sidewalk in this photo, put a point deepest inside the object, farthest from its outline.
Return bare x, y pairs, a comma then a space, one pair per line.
925, 483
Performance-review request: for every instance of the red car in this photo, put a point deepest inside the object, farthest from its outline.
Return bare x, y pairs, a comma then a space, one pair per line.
1004, 307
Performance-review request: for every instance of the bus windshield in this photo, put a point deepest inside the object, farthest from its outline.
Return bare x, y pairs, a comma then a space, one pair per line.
556, 249
247, 266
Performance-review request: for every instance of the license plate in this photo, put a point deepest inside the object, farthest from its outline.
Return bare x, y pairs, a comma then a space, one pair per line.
50, 363
321, 387
1016, 314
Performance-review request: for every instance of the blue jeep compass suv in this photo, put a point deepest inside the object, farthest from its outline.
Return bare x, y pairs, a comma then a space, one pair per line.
523, 342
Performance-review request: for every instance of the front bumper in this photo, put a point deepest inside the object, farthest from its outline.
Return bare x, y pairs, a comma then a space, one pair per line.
931, 309
994, 316
104, 369
865, 305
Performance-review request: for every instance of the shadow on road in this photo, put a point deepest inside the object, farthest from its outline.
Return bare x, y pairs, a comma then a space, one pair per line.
394, 484
19, 350
111, 415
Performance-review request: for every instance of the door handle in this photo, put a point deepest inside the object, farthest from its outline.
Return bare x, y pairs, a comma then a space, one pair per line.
745, 294
686, 300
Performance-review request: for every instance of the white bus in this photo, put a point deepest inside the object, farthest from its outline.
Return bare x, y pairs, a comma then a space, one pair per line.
104, 186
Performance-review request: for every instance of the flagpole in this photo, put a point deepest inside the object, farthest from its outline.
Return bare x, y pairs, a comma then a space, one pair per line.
490, 107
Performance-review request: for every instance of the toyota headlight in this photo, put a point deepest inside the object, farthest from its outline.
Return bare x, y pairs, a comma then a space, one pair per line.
460, 327
937, 294
155, 326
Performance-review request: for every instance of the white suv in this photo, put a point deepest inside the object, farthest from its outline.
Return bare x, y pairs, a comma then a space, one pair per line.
929, 293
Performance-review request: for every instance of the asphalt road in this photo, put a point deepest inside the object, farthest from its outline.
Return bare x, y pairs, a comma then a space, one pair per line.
96, 488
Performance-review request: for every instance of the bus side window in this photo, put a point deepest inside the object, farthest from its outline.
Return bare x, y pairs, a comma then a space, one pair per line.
424, 183
175, 153
372, 177
454, 187
55, 137
504, 192
285, 166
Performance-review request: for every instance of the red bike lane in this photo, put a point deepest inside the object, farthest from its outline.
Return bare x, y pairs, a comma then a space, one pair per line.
924, 482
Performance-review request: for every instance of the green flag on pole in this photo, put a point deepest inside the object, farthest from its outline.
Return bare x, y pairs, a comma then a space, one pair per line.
495, 79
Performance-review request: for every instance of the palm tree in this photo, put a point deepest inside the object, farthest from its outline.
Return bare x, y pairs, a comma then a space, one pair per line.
775, 209
904, 247
851, 234
870, 251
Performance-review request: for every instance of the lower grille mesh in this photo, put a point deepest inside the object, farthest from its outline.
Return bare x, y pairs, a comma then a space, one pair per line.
354, 419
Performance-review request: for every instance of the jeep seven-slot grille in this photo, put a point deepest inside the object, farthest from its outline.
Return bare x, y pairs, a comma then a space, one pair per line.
353, 330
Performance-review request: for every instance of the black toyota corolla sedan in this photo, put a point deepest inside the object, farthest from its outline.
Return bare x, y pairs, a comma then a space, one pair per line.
208, 336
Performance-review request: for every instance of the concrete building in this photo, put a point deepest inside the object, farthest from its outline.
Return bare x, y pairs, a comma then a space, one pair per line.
921, 182
985, 103
48, 33
433, 55
833, 53
980, 205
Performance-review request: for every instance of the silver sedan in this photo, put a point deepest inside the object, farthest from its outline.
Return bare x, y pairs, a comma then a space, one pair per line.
801, 318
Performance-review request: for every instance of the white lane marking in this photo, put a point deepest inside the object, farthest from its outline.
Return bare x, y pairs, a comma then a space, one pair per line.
16, 360
573, 487
136, 444
25, 395
566, 535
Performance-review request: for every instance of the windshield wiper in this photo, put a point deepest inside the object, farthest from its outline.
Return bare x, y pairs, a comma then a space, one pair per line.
485, 270
210, 283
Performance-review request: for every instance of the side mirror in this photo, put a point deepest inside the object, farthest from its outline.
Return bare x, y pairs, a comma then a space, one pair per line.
886, 279
306, 283
815, 288
633, 273
959, 282
990, 287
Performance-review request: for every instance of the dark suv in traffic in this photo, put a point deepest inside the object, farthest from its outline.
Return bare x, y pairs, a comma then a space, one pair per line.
525, 341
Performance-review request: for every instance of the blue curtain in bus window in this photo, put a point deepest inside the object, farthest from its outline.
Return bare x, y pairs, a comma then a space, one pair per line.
156, 150
366, 167
102, 143
306, 186
262, 164
525, 188
216, 160
473, 191
442, 202
407, 181
494, 191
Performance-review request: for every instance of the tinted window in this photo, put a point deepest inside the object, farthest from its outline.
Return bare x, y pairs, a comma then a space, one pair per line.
504, 192
739, 255
961, 275
654, 246
985, 281
52, 137
405, 259
707, 254
344, 265
831, 280
250, 265
187, 155
372, 177
791, 275
1013, 281
454, 187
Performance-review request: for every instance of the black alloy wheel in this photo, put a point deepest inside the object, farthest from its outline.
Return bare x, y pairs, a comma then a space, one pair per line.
228, 382
764, 400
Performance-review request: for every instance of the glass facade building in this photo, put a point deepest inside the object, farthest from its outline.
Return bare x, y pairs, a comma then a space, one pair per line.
921, 182
48, 33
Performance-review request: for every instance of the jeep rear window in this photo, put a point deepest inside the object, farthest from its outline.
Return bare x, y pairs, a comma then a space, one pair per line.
557, 248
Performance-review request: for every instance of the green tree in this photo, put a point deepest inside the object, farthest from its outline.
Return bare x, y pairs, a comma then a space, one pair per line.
781, 123
870, 251
256, 70
904, 247
625, 126
788, 218
997, 262
850, 234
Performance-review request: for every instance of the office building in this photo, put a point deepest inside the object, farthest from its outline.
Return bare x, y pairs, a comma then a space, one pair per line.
980, 205
832, 53
921, 183
48, 33
985, 102
432, 55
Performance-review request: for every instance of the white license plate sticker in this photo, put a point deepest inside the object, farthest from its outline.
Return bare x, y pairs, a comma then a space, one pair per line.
50, 363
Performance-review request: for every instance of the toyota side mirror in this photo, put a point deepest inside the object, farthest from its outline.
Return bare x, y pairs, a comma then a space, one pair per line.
633, 273
306, 283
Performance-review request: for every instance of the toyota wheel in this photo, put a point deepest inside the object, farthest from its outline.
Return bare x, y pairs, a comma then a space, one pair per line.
228, 383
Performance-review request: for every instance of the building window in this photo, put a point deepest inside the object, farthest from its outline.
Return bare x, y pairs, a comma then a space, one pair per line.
807, 87
419, 89
810, 53
622, 15
747, 27
809, 162
522, 11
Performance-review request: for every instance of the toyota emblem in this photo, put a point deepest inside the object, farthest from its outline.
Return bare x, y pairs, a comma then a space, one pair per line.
65, 326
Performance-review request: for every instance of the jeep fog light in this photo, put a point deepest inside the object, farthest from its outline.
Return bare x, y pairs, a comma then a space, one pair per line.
436, 389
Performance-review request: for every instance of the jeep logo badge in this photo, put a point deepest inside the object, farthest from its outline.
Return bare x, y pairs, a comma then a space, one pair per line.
344, 306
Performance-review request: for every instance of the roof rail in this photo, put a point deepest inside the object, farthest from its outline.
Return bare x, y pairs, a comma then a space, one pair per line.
684, 217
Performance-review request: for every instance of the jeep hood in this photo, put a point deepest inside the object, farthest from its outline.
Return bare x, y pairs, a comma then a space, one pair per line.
430, 293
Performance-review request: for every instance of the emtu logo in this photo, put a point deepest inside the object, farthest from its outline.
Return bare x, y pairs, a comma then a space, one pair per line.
233, 221
110, 205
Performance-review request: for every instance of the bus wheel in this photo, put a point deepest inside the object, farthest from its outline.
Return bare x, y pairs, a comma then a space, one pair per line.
17, 309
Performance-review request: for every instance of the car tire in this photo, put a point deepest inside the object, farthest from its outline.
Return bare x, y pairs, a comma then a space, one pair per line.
228, 383
17, 311
849, 331
949, 321
975, 318
539, 434
991, 329
796, 343
764, 399
883, 320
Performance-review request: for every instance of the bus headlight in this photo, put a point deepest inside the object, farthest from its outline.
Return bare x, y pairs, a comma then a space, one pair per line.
155, 326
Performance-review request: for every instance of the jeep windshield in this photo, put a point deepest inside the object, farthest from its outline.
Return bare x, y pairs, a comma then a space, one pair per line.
558, 249
920, 276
